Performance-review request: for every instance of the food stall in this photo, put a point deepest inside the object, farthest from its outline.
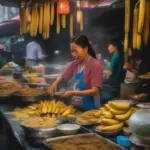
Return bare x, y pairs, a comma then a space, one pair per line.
33, 120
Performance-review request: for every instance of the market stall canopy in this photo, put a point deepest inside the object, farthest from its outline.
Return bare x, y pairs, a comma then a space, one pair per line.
84, 3
10, 28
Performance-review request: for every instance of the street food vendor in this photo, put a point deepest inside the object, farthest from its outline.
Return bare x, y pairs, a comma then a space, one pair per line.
87, 74
115, 72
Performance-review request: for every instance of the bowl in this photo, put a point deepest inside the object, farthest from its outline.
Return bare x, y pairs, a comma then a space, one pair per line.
68, 129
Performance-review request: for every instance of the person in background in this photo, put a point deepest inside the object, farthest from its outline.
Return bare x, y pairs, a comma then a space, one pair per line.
115, 72
87, 73
34, 53
136, 63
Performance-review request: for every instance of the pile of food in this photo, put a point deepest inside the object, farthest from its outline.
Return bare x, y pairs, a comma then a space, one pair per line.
8, 87
113, 116
88, 117
44, 109
6, 92
39, 122
27, 92
88, 142
145, 76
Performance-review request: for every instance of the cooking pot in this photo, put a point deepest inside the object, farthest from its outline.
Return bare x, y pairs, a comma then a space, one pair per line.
139, 124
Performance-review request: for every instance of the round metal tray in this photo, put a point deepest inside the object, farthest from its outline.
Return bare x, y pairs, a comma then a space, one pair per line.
138, 142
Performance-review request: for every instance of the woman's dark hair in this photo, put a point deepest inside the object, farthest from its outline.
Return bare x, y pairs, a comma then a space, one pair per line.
83, 42
116, 42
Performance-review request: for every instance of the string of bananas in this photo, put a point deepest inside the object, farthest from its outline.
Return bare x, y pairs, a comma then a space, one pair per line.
127, 25
34, 20
43, 17
23, 18
51, 109
135, 26
147, 23
71, 25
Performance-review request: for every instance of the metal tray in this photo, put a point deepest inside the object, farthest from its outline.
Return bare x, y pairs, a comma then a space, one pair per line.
80, 135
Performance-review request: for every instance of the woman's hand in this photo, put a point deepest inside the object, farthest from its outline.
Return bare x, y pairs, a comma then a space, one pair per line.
52, 89
67, 94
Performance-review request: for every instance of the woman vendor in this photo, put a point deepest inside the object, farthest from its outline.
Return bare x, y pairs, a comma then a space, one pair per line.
115, 72
87, 74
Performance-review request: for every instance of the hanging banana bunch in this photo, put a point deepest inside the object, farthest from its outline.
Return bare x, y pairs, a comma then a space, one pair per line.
45, 20
23, 18
142, 8
41, 19
135, 26
32, 24
63, 21
52, 13
80, 19
79, 16
127, 25
81, 22
147, 23
71, 25
36, 20
48, 19
58, 24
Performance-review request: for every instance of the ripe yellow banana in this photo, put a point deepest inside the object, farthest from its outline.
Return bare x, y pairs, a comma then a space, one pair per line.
108, 115
142, 10
45, 20
146, 31
48, 20
41, 19
123, 107
114, 111
58, 24
109, 122
98, 113
112, 128
71, 25
36, 20
125, 116
52, 13
135, 27
67, 112
63, 21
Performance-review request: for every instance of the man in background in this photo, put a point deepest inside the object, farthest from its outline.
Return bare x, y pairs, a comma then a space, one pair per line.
34, 53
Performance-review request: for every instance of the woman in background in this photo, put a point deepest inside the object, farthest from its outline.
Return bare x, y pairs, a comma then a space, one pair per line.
87, 73
115, 72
